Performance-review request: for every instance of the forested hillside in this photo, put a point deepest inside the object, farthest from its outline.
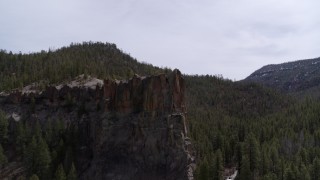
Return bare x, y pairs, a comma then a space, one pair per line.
298, 78
102, 60
265, 134
261, 132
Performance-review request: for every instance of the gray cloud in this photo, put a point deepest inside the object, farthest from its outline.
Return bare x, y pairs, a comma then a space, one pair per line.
228, 37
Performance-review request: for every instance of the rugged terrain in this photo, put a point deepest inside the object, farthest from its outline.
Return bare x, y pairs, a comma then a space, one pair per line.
138, 128
134, 129
298, 77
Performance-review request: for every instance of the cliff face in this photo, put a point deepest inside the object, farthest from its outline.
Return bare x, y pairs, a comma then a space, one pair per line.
156, 93
133, 129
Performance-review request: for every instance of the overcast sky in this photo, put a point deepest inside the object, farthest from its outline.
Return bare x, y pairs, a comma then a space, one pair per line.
228, 37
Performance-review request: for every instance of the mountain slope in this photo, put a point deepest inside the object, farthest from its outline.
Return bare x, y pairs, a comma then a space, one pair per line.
297, 78
231, 124
102, 60
222, 114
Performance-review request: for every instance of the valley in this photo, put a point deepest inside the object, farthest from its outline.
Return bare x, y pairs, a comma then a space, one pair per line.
90, 110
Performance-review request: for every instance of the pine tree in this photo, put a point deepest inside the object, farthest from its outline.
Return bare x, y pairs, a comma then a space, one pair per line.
245, 173
218, 165
34, 177
3, 158
72, 175
275, 160
204, 171
239, 153
37, 158
3, 126
315, 169
68, 157
43, 158
29, 156
304, 173
57, 130
289, 174
270, 176
253, 152
37, 130
60, 174
265, 161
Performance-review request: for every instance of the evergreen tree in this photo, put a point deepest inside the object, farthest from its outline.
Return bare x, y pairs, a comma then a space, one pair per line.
34, 177
68, 157
253, 152
57, 130
239, 153
30, 156
289, 174
218, 166
274, 160
265, 161
37, 130
3, 126
37, 158
270, 176
72, 175
203, 171
245, 173
315, 169
304, 173
60, 174
3, 158
42, 159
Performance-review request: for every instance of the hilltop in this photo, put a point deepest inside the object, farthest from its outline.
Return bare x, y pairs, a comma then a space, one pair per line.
102, 60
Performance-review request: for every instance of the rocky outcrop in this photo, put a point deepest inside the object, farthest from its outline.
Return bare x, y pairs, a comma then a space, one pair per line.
134, 129
156, 93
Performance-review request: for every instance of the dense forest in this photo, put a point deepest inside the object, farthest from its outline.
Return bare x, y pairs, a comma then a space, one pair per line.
263, 133
259, 131
102, 60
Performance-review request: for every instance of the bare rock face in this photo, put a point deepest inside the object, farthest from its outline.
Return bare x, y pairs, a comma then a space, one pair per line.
133, 129
155, 93
143, 133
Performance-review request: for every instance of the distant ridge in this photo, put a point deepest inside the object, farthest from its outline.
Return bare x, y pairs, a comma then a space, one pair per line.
300, 78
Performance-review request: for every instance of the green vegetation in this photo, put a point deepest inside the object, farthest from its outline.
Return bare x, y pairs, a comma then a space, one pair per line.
102, 60
265, 134
72, 175
3, 158
34, 177
3, 127
60, 174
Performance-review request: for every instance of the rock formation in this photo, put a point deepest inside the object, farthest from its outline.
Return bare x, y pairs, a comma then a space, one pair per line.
133, 129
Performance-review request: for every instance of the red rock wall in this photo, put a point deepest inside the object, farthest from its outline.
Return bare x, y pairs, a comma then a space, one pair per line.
155, 93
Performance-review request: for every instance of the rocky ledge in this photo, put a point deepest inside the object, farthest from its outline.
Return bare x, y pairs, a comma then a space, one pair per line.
134, 129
